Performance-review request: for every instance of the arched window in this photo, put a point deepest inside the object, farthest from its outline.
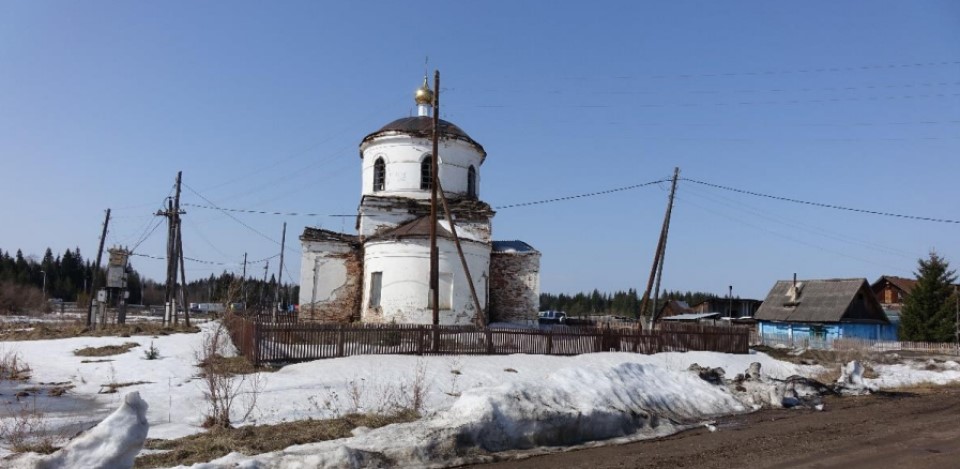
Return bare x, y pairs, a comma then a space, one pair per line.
379, 175
472, 182
426, 173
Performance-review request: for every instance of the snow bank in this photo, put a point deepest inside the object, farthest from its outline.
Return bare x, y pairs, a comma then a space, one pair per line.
915, 373
570, 406
113, 444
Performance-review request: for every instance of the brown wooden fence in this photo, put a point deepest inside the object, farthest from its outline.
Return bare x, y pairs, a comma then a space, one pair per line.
265, 342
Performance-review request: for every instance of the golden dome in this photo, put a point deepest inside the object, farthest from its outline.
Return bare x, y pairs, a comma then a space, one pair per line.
424, 95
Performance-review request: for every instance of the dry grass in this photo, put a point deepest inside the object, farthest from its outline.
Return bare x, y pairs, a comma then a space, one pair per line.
43, 331
106, 350
111, 388
13, 367
237, 365
260, 439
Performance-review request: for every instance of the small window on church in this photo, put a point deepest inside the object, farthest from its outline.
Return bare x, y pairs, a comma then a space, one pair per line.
426, 173
379, 175
376, 284
472, 182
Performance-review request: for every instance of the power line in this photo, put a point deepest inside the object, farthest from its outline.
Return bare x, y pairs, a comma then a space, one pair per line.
147, 235
228, 214
790, 238
740, 103
260, 212
749, 210
500, 207
815, 70
823, 205
578, 196
201, 261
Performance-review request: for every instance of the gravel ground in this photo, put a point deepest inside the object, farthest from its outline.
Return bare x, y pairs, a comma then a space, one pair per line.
918, 428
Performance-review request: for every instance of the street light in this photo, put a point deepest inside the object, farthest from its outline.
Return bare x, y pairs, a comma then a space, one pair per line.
44, 272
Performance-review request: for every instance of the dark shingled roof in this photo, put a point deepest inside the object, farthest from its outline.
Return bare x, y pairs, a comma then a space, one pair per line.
821, 301
422, 126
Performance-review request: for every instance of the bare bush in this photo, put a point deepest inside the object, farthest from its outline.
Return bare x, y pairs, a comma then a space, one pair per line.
404, 396
414, 390
224, 391
25, 428
18, 298
12, 366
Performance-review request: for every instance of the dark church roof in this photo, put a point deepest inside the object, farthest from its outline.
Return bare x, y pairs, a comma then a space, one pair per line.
422, 126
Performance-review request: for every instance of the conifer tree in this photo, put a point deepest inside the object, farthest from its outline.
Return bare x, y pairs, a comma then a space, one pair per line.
928, 311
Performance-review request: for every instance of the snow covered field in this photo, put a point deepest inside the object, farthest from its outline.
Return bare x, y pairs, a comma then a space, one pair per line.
473, 405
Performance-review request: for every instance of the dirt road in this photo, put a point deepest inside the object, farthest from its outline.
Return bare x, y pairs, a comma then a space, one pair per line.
900, 430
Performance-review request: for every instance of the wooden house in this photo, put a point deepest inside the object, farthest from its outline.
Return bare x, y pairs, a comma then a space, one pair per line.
891, 290
822, 311
728, 308
674, 308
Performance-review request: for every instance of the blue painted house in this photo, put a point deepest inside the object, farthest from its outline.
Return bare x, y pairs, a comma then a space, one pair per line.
817, 312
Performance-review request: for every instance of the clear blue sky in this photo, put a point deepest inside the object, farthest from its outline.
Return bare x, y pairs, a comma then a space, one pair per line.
262, 106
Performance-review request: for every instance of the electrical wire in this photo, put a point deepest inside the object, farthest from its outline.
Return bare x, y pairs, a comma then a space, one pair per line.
823, 205
578, 196
201, 261
228, 214
787, 237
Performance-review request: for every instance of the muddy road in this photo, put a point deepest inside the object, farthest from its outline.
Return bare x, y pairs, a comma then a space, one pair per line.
919, 428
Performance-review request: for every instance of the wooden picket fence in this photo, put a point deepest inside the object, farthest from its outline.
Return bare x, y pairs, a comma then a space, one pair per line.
266, 342
944, 348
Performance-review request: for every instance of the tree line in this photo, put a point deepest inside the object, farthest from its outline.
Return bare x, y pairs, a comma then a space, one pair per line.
619, 303
69, 277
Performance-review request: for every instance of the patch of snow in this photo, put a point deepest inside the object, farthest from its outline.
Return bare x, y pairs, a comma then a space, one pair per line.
914, 373
569, 406
112, 444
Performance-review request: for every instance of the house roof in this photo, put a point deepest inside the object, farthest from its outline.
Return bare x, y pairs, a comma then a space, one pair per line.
904, 284
833, 300
691, 317
512, 247
422, 126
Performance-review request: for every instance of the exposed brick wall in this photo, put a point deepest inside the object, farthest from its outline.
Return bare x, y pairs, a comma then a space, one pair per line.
514, 286
345, 305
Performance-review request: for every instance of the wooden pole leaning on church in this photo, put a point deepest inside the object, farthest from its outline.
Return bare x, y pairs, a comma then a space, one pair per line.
479, 319
434, 183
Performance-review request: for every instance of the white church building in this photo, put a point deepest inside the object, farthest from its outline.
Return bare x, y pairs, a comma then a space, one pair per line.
381, 274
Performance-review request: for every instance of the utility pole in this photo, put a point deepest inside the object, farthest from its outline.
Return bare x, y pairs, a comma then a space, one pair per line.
93, 282
657, 270
434, 184
174, 254
243, 283
263, 288
276, 293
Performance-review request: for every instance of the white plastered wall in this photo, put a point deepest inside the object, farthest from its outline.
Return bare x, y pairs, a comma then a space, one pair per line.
405, 284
